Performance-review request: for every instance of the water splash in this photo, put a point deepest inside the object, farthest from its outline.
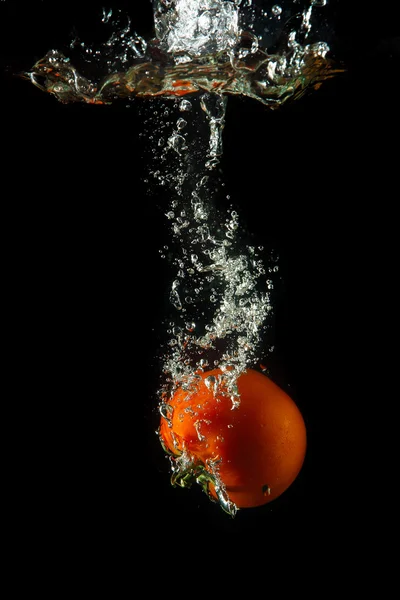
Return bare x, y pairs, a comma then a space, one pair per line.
205, 50
200, 46
188, 30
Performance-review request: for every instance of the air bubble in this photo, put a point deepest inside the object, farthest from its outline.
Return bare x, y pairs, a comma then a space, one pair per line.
177, 143
181, 124
210, 382
185, 105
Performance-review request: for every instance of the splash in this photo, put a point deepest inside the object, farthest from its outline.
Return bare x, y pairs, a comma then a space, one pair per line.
203, 52
198, 28
199, 47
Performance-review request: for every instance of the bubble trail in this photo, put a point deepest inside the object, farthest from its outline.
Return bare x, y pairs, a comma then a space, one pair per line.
220, 294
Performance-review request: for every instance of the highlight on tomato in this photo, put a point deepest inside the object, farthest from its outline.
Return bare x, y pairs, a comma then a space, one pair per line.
244, 444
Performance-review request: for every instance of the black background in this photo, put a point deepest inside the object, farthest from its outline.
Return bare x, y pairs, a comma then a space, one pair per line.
85, 287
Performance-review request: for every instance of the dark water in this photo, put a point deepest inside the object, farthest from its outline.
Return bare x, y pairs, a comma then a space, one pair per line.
84, 284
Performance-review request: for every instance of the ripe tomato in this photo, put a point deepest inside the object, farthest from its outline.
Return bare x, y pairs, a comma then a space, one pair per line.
247, 455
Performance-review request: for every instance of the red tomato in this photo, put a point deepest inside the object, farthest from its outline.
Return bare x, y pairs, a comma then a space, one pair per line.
255, 450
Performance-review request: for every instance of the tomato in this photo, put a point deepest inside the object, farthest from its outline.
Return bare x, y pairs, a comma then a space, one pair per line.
246, 455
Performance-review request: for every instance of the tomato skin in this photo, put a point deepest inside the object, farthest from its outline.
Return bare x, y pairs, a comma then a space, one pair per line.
261, 444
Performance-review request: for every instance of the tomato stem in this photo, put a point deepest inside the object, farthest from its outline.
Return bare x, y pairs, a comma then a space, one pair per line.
186, 472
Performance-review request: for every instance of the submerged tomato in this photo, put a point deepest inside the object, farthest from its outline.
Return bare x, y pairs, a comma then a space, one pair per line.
258, 448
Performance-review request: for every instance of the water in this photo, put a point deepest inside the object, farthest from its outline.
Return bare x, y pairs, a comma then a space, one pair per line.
203, 51
192, 29
266, 61
220, 292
